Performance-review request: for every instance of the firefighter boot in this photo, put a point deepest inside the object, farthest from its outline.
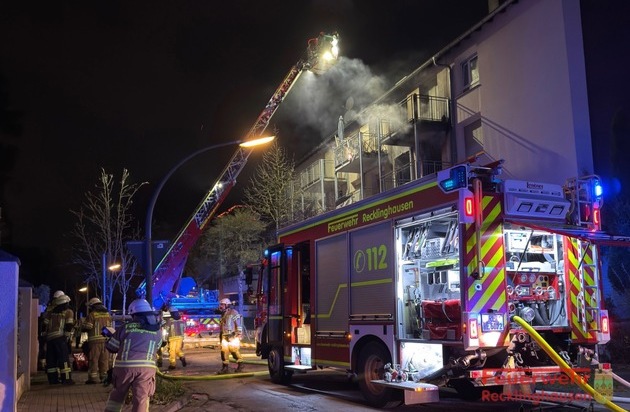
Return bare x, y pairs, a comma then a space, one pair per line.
53, 376
183, 359
224, 370
239, 368
108, 377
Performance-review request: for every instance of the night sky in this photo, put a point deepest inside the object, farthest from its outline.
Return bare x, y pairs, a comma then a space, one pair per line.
140, 85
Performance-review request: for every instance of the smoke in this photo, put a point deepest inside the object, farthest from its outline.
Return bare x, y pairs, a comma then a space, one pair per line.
316, 102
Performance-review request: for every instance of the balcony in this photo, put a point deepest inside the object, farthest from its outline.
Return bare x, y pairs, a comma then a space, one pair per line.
357, 152
403, 173
430, 114
318, 171
428, 108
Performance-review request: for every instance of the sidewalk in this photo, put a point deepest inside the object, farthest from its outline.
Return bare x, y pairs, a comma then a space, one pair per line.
80, 397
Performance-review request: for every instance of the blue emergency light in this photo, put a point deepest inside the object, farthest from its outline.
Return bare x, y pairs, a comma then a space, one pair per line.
598, 191
453, 178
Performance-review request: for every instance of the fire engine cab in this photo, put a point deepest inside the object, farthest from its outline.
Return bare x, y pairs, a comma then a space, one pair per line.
417, 287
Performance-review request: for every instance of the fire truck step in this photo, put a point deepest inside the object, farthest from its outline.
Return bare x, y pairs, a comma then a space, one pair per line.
415, 392
298, 368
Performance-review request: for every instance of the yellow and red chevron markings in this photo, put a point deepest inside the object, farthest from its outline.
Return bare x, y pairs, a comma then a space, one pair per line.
582, 323
488, 293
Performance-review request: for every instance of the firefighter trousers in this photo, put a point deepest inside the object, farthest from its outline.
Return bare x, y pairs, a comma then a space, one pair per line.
140, 380
175, 349
230, 347
98, 361
58, 367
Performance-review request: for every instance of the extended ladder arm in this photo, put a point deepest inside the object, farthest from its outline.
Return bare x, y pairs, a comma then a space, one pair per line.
169, 269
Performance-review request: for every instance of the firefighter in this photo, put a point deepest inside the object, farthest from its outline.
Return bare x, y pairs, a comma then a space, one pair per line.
230, 336
98, 357
58, 325
42, 330
176, 328
164, 314
135, 344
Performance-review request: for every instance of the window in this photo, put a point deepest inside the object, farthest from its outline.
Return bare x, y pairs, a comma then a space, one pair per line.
470, 72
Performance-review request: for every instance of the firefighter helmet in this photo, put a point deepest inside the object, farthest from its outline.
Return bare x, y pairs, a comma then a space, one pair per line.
225, 301
166, 314
58, 294
139, 306
60, 300
94, 301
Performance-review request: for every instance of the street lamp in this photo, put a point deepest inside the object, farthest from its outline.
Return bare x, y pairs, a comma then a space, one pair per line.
84, 289
148, 267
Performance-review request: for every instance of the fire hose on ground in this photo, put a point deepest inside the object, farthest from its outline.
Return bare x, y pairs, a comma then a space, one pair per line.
599, 398
217, 377
211, 377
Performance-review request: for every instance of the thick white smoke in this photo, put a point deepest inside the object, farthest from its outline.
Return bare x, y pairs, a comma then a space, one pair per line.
316, 102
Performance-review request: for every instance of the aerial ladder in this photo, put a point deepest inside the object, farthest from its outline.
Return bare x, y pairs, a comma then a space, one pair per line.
321, 53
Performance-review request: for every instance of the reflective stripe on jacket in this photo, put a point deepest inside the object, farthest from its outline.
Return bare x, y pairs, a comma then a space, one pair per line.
134, 346
58, 324
231, 321
176, 328
94, 323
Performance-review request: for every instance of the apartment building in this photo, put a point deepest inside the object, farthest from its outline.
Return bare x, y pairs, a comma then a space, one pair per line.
512, 88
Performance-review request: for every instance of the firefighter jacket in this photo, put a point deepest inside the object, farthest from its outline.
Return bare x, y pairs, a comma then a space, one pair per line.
59, 322
176, 328
231, 322
98, 318
135, 345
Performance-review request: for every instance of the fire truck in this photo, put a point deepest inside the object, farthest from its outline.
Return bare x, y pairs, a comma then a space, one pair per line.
199, 308
419, 287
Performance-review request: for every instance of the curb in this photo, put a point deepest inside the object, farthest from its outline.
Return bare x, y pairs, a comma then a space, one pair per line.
178, 404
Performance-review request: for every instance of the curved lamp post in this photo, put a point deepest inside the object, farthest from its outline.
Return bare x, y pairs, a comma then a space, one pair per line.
149, 217
85, 289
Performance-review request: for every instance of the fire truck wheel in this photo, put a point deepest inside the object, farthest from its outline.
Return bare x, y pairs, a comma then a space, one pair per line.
276, 367
372, 359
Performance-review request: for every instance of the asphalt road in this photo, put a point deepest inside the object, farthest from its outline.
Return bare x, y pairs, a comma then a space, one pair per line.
322, 390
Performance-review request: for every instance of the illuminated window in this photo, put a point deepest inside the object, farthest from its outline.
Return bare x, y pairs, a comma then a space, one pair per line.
470, 72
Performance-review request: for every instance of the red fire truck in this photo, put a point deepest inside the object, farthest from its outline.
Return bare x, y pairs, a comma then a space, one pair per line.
417, 287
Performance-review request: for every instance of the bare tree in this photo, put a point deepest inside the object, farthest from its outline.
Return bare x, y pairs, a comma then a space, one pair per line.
270, 191
104, 224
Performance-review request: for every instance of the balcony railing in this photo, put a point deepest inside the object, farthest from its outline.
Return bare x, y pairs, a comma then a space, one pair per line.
403, 175
316, 171
354, 145
429, 108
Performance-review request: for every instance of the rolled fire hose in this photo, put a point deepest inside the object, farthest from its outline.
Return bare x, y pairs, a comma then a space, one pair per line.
565, 367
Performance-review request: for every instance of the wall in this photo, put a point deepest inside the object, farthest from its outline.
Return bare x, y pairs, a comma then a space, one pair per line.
25, 340
8, 332
532, 95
